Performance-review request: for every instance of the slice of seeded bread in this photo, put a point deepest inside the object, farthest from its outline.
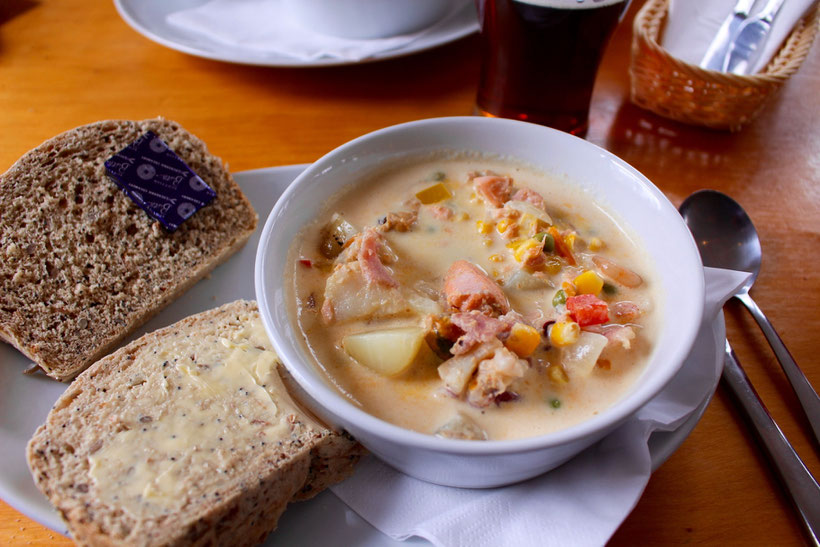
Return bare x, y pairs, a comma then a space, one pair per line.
81, 265
168, 442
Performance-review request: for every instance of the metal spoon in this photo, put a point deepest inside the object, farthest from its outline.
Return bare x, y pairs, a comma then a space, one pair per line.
795, 477
727, 238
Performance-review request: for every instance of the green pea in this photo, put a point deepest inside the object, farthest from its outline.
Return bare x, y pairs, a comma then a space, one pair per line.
559, 299
609, 288
549, 243
555, 403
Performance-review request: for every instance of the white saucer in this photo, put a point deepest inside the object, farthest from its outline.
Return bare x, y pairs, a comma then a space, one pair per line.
149, 19
26, 400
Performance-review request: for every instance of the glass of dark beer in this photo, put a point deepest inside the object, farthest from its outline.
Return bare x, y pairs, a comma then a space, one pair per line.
540, 57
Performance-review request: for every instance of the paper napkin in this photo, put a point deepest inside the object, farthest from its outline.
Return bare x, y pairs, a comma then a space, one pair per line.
692, 24
263, 25
581, 503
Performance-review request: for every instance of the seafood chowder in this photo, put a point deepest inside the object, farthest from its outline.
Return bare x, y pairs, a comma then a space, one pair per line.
474, 298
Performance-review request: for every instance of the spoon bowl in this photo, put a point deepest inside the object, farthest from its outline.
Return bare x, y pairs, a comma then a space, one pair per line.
724, 233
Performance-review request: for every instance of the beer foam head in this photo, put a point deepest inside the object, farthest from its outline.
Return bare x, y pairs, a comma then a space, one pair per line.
571, 4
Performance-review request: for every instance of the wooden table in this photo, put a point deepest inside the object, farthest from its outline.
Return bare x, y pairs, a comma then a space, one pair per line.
68, 63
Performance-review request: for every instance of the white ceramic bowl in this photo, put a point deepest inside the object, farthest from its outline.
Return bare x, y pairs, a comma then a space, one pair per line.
365, 19
619, 187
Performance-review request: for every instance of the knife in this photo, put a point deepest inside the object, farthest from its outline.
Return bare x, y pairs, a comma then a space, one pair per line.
716, 53
747, 45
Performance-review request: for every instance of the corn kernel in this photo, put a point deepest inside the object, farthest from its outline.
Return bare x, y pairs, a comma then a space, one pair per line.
564, 333
530, 224
515, 245
595, 244
569, 288
502, 225
557, 374
496, 258
483, 227
521, 249
569, 239
589, 282
523, 340
434, 194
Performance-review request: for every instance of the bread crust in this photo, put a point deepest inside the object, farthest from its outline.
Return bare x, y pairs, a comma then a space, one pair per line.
249, 500
83, 266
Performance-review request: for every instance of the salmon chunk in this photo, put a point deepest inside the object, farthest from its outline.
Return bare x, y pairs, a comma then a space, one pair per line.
468, 288
372, 268
530, 196
493, 189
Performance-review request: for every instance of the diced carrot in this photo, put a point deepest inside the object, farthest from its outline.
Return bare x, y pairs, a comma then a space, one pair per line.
560, 246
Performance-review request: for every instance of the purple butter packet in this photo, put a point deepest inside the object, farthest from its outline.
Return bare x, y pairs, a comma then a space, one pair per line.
157, 180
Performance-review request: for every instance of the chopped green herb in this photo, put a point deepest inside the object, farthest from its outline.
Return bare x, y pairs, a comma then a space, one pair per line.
555, 403
559, 299
609, 288
439, 176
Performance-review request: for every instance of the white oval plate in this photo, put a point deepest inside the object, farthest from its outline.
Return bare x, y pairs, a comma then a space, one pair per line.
26, 400
149, 19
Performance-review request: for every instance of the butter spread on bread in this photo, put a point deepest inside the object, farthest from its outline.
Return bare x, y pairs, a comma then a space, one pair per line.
185, 434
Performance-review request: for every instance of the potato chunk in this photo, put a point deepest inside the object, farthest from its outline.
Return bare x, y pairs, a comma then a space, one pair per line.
389, 352
580, 358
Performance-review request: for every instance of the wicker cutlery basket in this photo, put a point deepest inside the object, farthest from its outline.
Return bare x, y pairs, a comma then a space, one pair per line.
687, 93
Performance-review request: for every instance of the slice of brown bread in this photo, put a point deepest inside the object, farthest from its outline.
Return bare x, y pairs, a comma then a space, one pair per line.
184, 436
82, 265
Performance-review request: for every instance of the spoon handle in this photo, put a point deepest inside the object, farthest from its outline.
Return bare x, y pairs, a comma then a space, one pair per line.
799, 483
805, 393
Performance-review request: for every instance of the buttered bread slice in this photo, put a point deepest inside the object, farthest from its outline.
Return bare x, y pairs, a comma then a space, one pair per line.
185, 436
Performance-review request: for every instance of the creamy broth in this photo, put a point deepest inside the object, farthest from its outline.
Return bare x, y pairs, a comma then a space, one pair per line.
541, 381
